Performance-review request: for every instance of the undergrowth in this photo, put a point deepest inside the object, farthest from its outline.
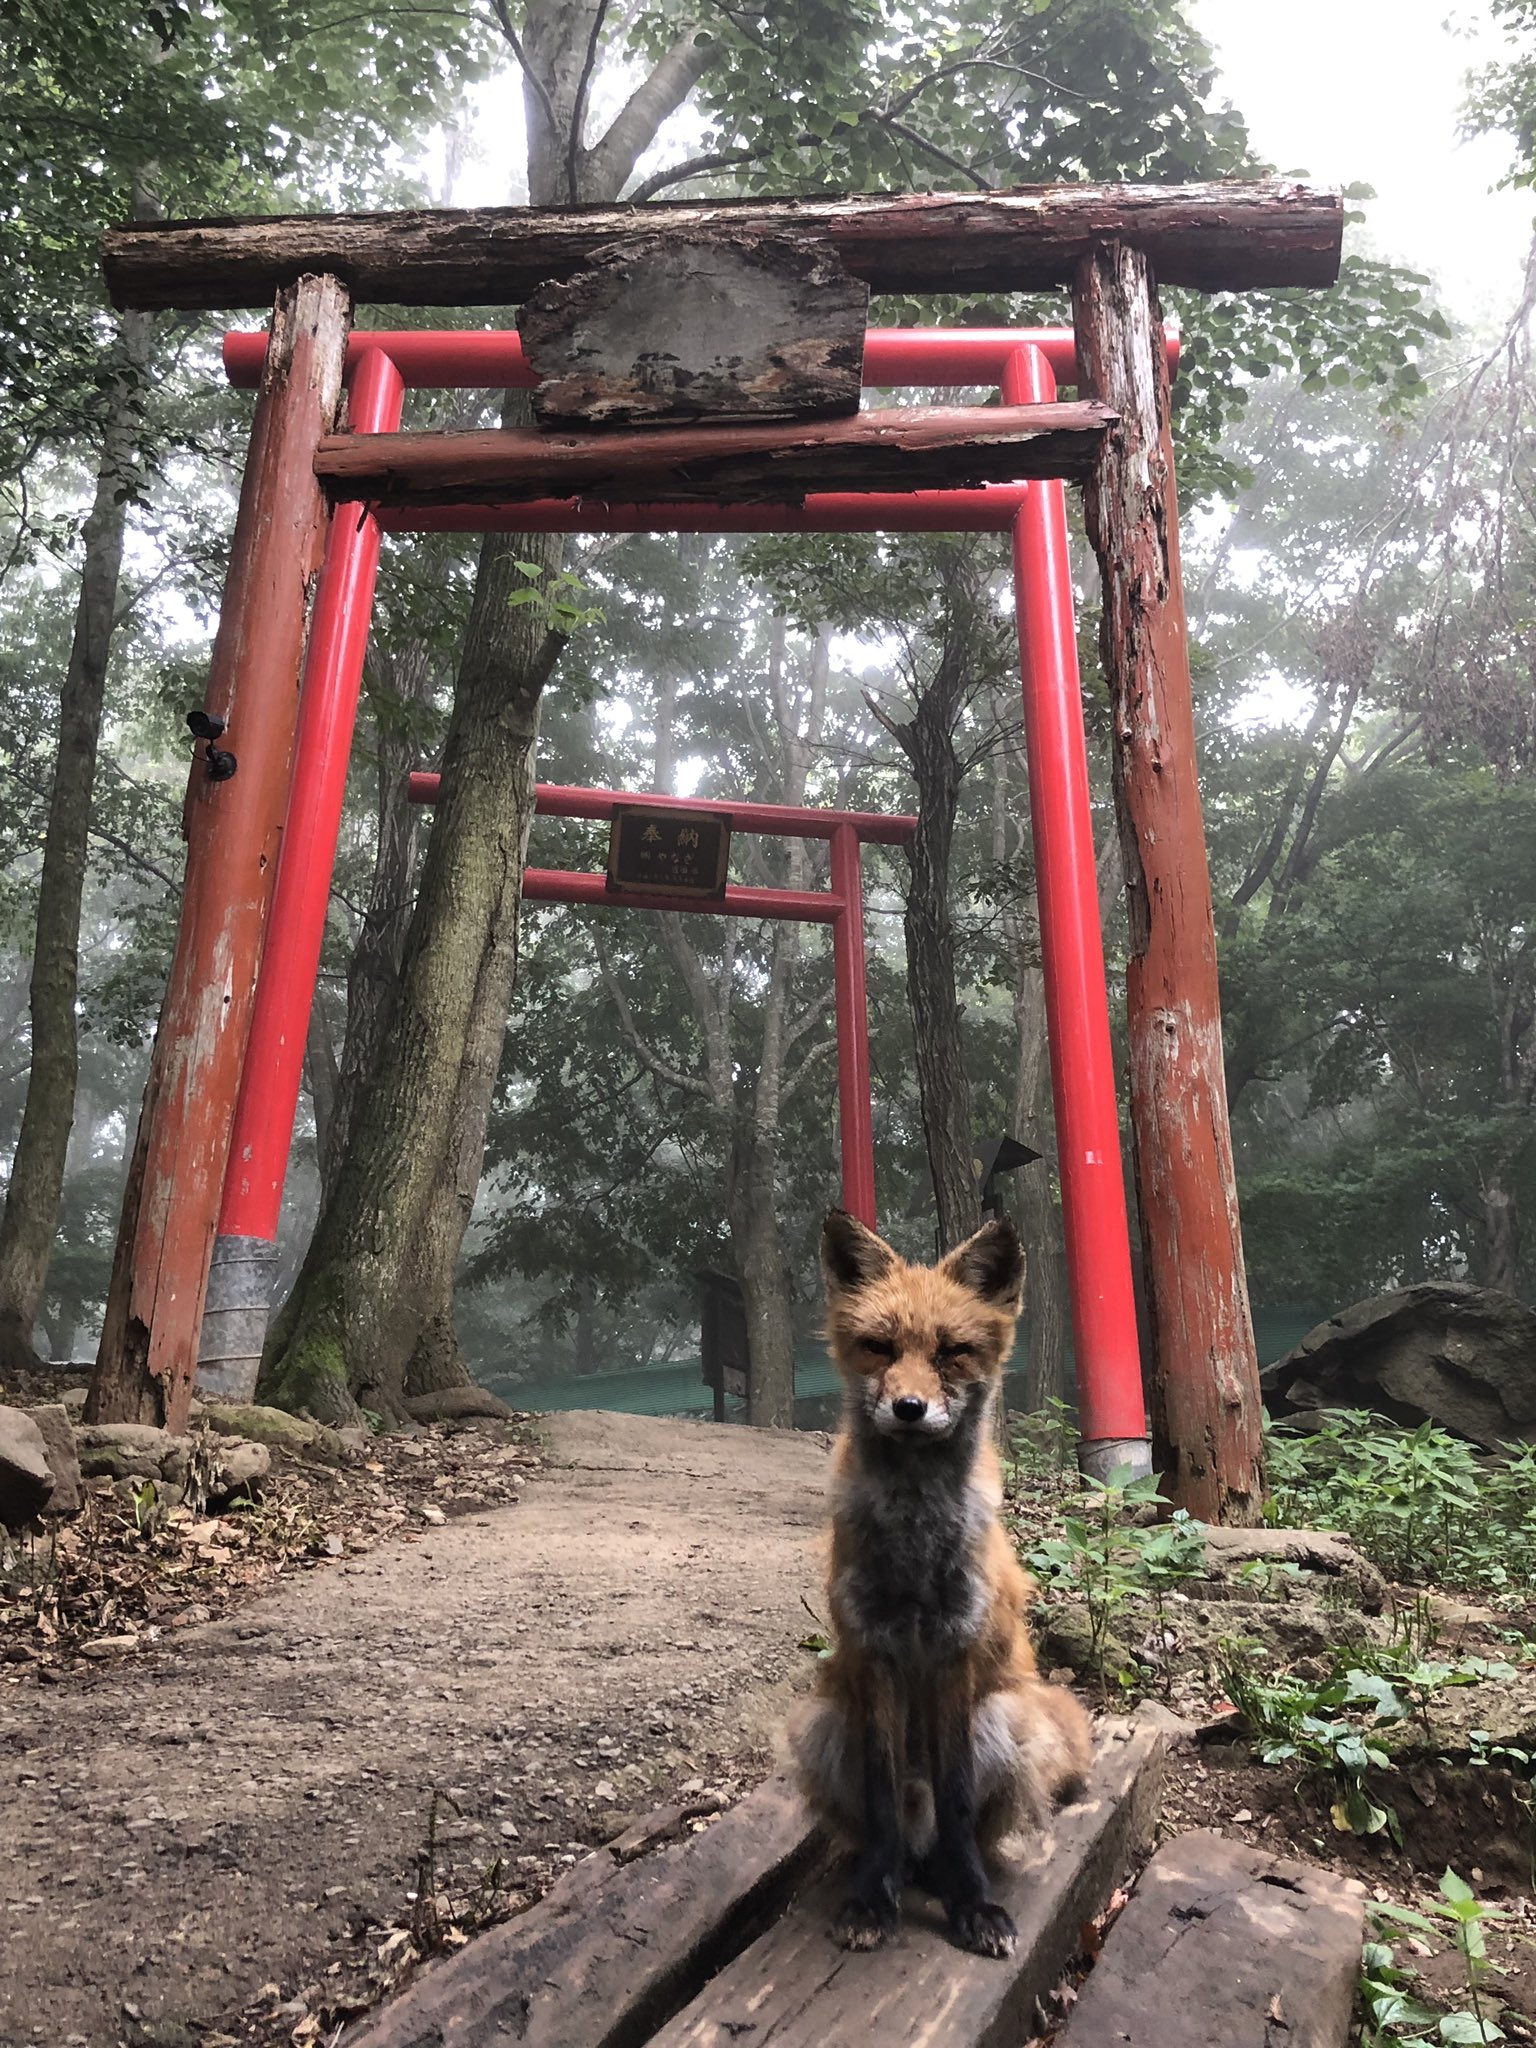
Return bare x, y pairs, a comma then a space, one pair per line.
1425, 1507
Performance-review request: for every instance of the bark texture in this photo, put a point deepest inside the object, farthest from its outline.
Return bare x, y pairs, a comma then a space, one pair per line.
37, 1170
377, 1281
1206, 1412
897, 448
1215, 237
928, 741
148, 1352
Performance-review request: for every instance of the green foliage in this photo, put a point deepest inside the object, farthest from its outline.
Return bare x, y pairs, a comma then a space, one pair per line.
1392, 2012
1105, 1560
1421, 1504
1329, 1723
558, 596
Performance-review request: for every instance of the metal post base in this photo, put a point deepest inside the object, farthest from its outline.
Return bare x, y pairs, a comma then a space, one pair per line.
235, 1318
1107, 1455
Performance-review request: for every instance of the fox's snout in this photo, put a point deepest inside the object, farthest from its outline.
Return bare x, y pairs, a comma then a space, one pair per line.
907, 1401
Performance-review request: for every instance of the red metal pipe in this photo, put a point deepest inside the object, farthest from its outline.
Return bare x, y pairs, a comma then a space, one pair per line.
457, 360
856, 1125
562, 885
333, 669
783, 821
1111, 1409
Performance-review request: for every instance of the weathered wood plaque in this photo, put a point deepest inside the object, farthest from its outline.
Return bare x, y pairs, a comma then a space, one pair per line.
668, 853
716, 327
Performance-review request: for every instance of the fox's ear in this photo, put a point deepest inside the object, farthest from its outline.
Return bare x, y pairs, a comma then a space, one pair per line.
851, 1255
990, 1264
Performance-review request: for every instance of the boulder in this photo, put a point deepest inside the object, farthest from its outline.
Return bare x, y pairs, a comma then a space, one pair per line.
26, 1482
59, 1444
1461, 1356
238, 1467
276, 1428
128, 1450
456, 1404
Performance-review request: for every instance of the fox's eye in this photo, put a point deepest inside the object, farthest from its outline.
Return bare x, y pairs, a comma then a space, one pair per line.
882, 1347
949, 1354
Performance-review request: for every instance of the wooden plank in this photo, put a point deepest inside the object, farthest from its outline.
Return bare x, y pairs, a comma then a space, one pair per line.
717, 327
1246, 1951
1206, 1412
233, 827
618, 1945
898, 448
1217, 237
794, 1989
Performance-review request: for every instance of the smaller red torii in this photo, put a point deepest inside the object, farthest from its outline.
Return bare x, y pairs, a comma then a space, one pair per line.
841, 907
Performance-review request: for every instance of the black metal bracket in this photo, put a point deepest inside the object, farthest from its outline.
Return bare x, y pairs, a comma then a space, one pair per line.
221, 763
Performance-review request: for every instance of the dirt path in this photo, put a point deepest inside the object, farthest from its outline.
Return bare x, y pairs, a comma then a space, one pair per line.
208, 1841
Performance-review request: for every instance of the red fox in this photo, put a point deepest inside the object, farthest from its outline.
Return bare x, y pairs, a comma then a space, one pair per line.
932, 1736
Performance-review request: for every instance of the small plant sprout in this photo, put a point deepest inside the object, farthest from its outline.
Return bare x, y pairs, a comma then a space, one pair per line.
559, 595
1463, 1915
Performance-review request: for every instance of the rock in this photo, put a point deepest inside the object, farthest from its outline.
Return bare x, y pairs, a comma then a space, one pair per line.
73, 1399
1065, 1639
1444, 1352
1313, 1550
238, 1466
59, 1446
26, 1482
296, 1435
1179, 1732
125, 1450
455, 1404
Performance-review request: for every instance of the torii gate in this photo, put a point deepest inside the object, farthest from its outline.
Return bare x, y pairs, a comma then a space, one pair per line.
905, 469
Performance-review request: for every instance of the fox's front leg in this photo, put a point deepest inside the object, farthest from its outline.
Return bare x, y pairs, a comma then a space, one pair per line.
873, 1912
954, 1869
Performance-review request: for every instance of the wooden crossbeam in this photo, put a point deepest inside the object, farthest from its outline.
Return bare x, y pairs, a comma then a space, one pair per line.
1219, 237
894, 449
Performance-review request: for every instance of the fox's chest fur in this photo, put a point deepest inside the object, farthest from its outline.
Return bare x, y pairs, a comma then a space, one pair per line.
908, 1580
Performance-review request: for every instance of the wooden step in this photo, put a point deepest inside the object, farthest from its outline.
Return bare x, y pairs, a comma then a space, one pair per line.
617, 1945
1224, 1946
794, 1989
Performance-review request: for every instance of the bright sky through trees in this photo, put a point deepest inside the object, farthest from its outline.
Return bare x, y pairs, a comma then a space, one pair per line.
1370, 91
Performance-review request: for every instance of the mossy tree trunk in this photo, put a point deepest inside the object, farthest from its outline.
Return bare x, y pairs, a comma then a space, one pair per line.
366, 1293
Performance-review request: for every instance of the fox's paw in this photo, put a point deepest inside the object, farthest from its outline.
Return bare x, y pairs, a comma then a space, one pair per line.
985, 1929
859, 1924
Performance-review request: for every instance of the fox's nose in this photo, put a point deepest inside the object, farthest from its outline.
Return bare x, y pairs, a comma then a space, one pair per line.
909, 1408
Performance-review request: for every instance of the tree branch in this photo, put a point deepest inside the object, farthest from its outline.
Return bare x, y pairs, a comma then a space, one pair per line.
579, 108
649, 1059
634, 127
694, 167
541, 91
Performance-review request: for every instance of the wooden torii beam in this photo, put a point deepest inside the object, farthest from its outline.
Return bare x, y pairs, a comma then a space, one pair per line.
896, 448
1214, 237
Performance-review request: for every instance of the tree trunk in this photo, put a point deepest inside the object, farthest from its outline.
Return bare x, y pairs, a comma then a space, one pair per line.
928, 741
1501, 1233
373, 974
37, 1171
376, 1285
371, 1315
764, 1277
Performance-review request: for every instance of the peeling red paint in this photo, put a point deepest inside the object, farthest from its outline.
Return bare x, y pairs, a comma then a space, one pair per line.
1207, 1420
171, 1202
